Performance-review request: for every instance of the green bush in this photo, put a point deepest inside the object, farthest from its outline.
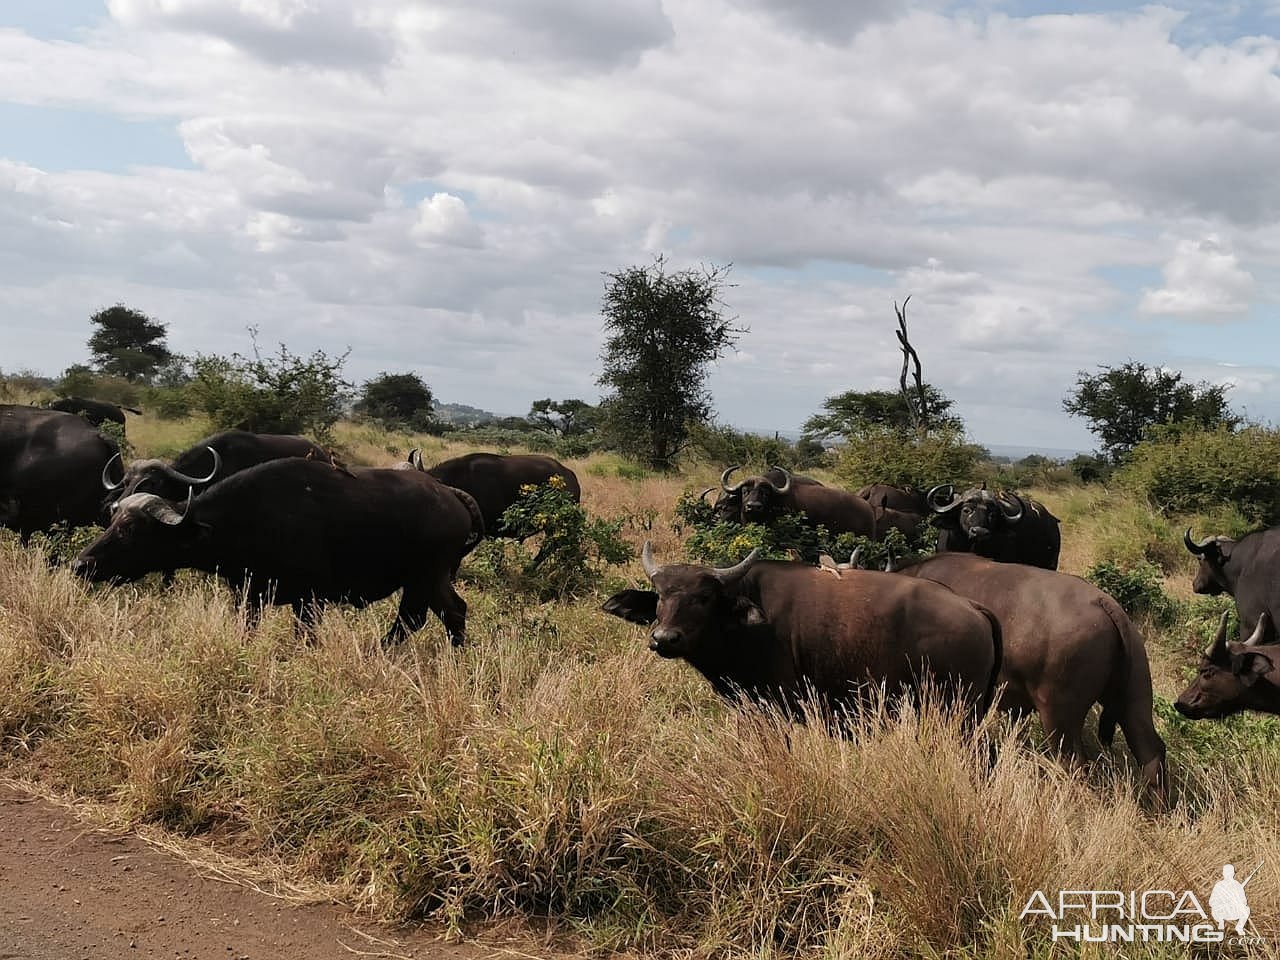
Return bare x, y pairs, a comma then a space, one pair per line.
722, 445
62, 543
1189, 471
574, 552
886, 456
79, 381
283, 393
1137, 588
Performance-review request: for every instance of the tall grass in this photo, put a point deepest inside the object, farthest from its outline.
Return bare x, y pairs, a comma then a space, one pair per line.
553, 769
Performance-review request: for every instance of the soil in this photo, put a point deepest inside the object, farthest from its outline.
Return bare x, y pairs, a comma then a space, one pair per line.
70, 890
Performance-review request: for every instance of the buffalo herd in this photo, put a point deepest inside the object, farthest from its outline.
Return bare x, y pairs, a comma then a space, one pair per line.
986, 620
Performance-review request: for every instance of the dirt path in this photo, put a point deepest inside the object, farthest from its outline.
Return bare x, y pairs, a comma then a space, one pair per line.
71, 891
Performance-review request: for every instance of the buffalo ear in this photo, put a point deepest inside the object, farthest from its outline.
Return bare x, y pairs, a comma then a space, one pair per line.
748, 613
634, 606
1251, 667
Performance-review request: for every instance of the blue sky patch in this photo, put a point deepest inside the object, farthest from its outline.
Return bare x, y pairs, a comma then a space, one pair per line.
58, 139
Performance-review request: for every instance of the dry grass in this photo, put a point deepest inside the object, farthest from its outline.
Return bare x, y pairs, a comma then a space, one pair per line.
554, 769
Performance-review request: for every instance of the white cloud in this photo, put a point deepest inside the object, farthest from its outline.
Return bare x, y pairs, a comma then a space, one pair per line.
1203, 280
443, 219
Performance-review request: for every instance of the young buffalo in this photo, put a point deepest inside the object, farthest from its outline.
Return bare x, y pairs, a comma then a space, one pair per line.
1235, 676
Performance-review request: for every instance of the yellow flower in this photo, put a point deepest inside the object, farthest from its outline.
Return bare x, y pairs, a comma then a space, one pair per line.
557, 481
527, 488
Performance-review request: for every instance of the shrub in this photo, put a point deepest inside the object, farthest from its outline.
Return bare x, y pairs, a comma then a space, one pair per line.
283, 393
61, 542
575, 548
885, 456
1137, 588
79, 381
1188, 471
724, 445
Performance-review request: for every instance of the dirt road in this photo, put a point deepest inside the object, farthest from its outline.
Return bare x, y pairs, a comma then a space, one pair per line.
70, 891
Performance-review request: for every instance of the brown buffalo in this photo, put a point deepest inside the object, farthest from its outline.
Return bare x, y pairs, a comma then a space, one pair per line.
727, 507
776, 632
907, 499
1235, 676
1067, 645
764, 500
1006, 526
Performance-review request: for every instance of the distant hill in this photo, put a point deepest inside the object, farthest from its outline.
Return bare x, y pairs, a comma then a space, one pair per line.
462, 415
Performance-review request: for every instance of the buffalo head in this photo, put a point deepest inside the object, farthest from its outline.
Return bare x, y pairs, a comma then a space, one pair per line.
691, 605
156, 476
977, 513
761, 497
1213, 554
1228, 674
147, 533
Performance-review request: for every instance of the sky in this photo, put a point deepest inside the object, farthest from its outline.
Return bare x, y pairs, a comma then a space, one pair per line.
443, 186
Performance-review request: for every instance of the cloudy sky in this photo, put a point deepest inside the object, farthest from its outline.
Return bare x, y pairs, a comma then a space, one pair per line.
441, 184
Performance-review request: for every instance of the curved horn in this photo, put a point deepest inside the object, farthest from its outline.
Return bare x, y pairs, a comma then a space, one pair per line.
930, 498
1006, 504
724, 480
651, 566
786, 486
855, 558
1220, 639
1199, 549
197, 481
729, 574
415, 458
703, 494
107, 469
1260, 631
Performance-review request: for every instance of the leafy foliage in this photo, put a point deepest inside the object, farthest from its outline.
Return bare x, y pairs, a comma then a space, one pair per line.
889, 456
574, 550
663, 330
127, 343
79, 380
1123, 403
281, 393
61, 543
1136, 587
565, 418
1187, 471
397, 400
857, 412
723, 445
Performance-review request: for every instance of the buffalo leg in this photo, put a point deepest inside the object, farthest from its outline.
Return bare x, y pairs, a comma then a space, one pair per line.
307, 616
1064, 726
1146, 746
419, 600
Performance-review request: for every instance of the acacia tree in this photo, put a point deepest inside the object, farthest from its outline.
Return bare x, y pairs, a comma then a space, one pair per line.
127, 343
664, 329
566, 418
854, 412
399, 399
1122, 403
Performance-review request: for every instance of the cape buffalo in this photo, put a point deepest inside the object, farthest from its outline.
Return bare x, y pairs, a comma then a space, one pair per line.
906, 499
1235, 676
1067, 646
728, 504
1243, 569
1004, 527
50, 462
95, 412
495, 481
304, 533
763, 500
212, 459
777, 632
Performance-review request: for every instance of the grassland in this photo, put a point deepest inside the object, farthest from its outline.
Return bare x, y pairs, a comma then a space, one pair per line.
554, 772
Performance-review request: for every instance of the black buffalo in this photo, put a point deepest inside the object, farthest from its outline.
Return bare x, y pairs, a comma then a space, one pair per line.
1067, 646
305, 533
904, 499
763, 500
727, 507
50, 462
1005, 527
1235, 676
777, 632
212, 459
1244, 569
97, 412
495, 482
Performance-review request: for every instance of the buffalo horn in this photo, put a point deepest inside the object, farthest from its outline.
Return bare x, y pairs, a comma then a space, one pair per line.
197, 481
855, 558
415, 458
931, 498
106, 482
785, 486
1220, 639
724, 480
729, 574
703, 494
1007, 505
651, 566
1260, 631
1196, 548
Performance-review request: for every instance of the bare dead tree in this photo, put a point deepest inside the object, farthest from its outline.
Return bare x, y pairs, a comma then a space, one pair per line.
918, 410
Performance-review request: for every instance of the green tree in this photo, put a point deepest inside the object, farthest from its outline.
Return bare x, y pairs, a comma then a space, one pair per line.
1122, 403
397, 399
127, 343
854, 412
663, 330
565, 418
